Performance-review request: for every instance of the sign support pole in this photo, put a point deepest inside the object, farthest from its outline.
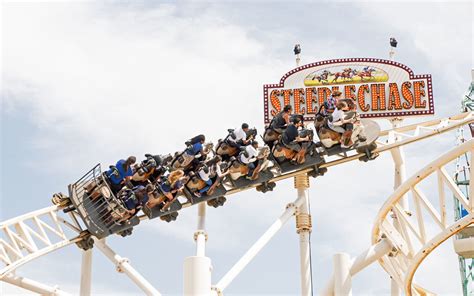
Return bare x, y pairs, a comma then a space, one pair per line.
303, 228
197, 269
399, 176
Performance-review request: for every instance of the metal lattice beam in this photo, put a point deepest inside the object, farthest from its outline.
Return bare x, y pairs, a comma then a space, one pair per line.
410, 235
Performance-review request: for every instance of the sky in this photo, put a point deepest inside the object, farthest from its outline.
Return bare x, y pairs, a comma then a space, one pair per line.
90, 82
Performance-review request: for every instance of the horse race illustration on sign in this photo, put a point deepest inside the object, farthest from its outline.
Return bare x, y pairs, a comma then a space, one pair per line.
345, 75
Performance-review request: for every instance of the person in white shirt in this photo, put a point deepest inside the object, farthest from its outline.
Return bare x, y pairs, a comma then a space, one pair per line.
238, 137
341, 125
249, 158
209, 172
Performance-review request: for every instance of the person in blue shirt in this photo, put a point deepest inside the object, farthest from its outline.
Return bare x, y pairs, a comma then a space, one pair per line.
195, 146
134, 199
120, 173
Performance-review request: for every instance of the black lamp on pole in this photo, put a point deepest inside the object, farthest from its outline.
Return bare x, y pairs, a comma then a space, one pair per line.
297, 51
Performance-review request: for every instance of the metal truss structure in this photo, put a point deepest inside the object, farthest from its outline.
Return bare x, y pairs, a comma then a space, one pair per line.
401, 240
409, 234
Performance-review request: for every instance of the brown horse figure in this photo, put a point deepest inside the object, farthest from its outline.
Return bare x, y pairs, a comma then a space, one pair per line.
183, 160
330, 137
270, 136
150, 168
323, 77
281, 152
226, 151
367, 74
345, 74
196, 183
238, 169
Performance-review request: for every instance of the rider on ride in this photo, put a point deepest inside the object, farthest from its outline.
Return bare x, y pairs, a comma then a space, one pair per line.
209, 172
290, 137
238, 137
195, 146
149, 170
134, 199
331, 102
249, 158
282, 119
341, 125
172, 186
121, 173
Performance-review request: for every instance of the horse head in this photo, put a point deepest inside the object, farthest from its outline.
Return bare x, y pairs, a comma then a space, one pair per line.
318, 122
166, 159
251, 133
270, 135
263, 152
306, 132
207, 147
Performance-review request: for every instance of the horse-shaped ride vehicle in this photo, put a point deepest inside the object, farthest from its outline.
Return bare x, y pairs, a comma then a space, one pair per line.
226, 150
185, 161
281, 152
362, 138
238, 169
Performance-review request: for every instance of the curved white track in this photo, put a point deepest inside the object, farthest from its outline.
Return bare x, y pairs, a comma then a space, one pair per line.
409, 234
38, 233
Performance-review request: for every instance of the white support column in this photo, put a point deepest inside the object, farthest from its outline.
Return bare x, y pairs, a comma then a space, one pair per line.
198, 269
342, 275
124, 266
197, 276
33, 286
303, 228
258, 246
86, 273
399, 163
397, 153
200, 236
364, 259
395, 288
399, 177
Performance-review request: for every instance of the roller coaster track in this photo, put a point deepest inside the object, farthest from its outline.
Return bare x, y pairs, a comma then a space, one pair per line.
27, 237
410, 234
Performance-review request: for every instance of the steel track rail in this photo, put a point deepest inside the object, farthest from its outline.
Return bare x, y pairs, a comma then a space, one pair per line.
15, 243
410, 235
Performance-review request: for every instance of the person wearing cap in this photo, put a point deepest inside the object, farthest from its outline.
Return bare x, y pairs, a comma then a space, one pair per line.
238, 137
120, 173
331, 102
290, 138
282, 119
249, 158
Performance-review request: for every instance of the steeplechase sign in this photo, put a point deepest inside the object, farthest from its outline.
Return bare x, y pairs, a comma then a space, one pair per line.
380, 88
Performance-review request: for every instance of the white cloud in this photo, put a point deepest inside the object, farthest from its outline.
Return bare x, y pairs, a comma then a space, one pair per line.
441, 32
104, 83
130, 77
